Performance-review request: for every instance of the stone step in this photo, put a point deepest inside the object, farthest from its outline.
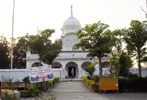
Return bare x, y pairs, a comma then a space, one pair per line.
70, 80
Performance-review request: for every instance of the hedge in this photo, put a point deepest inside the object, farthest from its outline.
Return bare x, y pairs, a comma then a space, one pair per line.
133, 85
50, 84
25, 93
90, 83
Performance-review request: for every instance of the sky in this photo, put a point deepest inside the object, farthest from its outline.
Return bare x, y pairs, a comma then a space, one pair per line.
29, 14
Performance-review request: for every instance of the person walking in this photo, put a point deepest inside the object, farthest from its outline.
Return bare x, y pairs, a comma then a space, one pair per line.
72, 72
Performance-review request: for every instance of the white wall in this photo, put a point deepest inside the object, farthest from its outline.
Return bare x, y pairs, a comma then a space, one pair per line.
19, 74
14, 74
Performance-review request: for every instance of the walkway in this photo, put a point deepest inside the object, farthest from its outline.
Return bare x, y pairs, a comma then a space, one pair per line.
78, 91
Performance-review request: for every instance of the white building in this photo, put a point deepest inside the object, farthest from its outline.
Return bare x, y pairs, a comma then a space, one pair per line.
68, 58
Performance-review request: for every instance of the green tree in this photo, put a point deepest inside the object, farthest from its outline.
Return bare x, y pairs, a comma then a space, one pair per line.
59, 41
118, 36
18, 55
91, 68
136, 38
121, 63
114, 62
96, 39
144, 59
51, 52
125, 64
37, 42
4, 53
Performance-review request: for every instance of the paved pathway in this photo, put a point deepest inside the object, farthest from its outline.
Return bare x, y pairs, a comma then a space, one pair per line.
78, 91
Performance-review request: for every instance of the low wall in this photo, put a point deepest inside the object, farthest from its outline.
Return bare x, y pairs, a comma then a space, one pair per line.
19, 74
13, 74
105, 71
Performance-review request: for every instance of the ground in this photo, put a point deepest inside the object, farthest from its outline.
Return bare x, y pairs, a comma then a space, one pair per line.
79, 91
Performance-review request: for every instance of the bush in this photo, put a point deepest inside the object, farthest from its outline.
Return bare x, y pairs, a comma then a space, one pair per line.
132, 75
34, 90
25, 93
96, 77
51, 83
94, 88
90, 83
91, 68
57, 78
133, 85
84, 78
26, 79
47, 85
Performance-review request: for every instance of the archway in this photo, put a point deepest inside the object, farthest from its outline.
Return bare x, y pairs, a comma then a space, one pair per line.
105, 64
85, 64
56, 65
70, 66
36, 64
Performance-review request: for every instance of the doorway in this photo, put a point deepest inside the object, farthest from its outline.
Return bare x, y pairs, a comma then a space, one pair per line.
69, 67
69, 71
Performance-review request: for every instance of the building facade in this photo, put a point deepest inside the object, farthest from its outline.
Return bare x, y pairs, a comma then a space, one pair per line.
68, 59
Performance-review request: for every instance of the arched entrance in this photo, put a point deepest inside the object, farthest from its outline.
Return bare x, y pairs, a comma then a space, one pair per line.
36, 64
85, 64
56, 65
105, 64
70, 66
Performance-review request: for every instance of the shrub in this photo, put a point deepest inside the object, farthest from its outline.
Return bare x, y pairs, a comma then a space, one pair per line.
84, 78
94, 88
47, 85
132, 75
25, 93
34, 90
133, 85
96, 77
51, 83
90, 83
26, 79
91, 68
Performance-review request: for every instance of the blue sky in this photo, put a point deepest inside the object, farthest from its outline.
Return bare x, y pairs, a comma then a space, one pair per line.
52, 13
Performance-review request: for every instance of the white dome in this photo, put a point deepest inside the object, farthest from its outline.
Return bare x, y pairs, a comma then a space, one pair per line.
71, 25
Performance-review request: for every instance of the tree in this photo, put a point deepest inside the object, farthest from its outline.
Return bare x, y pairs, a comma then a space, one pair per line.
4, 53
125, 64
37, 42
136, 37
51, 52
18, 55
59, 41
96, 39
118, 36
91, 68
121, 63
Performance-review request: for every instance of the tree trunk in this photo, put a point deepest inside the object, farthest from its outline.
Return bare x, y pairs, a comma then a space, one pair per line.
100, 67
139, 63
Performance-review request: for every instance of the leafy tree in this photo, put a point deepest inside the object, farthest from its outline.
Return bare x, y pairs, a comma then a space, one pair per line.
37, 42
144, 59
121, 63
18, 55
118, 36
114, 62
4, 53
136, 37
91, 68
125, 64
59, 41
51, 52
96, 39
